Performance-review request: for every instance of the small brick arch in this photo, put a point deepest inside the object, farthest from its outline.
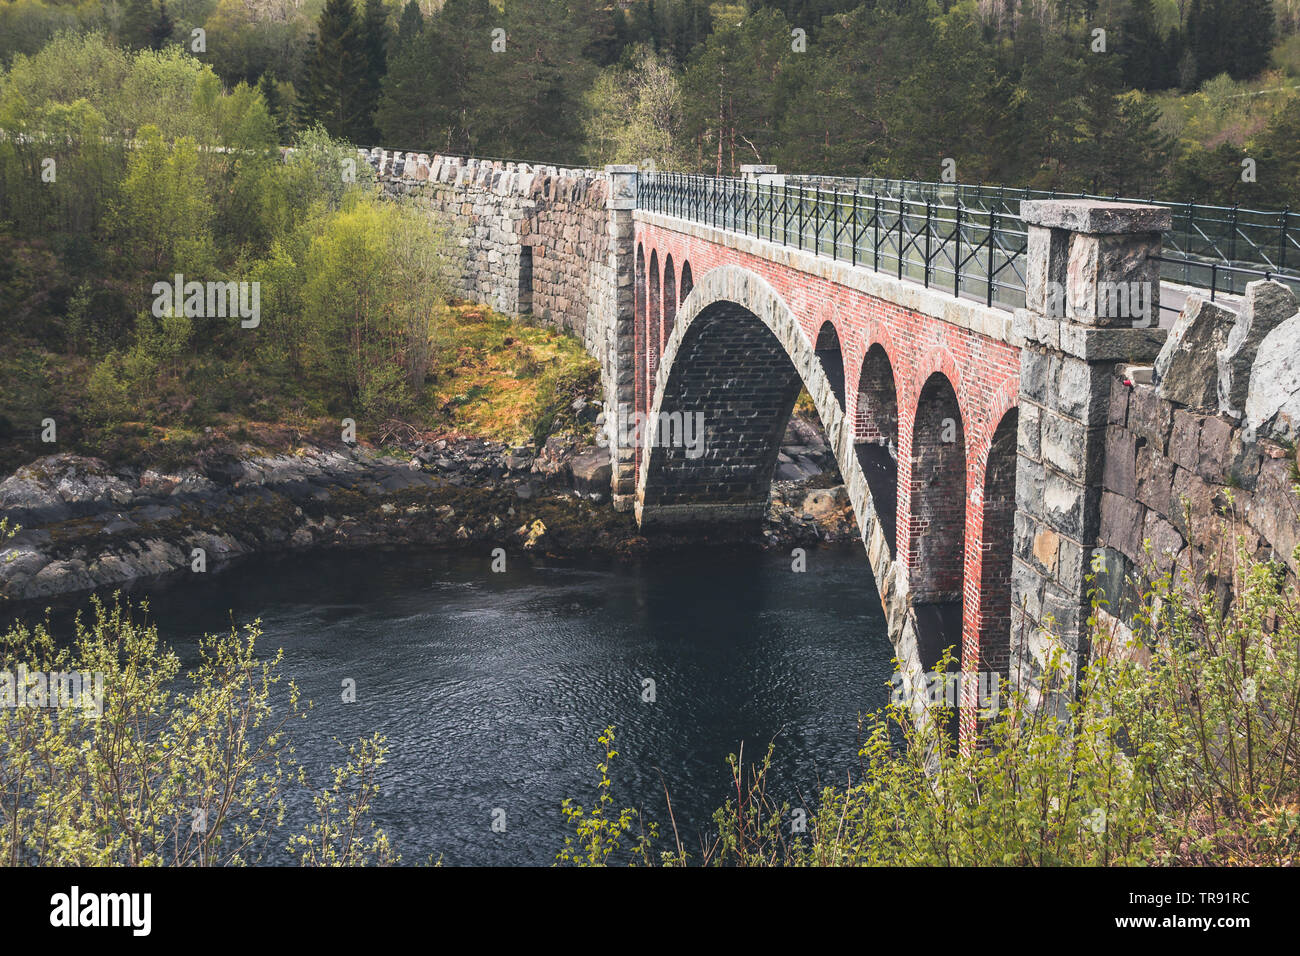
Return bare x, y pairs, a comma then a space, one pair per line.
875, 437
935, 360
688, 282
670, 297
936, 532
992, 624
654, 316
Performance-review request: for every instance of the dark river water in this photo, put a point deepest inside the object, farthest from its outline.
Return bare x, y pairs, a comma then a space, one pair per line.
492, 688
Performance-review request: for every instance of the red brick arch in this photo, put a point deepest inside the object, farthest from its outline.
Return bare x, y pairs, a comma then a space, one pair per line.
981, 370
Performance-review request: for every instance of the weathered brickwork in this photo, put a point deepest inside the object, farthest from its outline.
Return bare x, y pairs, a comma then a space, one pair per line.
969, 348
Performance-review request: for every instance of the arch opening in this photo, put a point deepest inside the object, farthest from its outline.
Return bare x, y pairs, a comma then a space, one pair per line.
936, 536
653, 327
831, 357
996, 548
670, 298
721, 419
687, 282
875, 438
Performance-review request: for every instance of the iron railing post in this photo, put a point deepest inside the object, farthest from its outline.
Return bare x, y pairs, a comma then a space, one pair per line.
856, 223
956, 257
993, 226
1232, 235
925, 267
875, 225
900, 236
785, 215
817, 221
1281, 256
801, 217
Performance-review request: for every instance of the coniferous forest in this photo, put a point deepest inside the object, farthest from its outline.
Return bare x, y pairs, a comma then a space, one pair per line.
1134, 97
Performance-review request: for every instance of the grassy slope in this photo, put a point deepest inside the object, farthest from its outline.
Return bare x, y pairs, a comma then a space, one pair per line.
492, 377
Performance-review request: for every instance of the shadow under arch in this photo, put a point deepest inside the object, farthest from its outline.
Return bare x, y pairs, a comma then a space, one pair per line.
875, 437
730, 373
936, 537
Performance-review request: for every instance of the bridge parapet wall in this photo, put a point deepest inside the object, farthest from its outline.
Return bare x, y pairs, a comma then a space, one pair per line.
527, 240
1194, 467
1131, 436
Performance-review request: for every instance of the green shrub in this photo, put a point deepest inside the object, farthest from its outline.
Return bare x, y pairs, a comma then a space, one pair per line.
178, 769
1178, 748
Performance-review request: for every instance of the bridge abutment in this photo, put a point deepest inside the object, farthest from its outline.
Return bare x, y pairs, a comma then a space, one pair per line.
619, 367
1081, 256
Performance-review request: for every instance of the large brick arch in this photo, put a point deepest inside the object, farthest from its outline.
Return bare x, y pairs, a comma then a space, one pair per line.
738, 355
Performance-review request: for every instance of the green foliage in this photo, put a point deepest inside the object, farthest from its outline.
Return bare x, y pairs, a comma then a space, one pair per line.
599, 832
867, 88
344, 833
164, 218
192, 769
634, 114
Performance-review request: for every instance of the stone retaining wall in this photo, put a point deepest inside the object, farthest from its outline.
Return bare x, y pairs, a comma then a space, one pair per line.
1200, 449
526, 240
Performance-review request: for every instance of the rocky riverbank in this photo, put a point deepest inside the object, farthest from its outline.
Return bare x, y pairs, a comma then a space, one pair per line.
88, 525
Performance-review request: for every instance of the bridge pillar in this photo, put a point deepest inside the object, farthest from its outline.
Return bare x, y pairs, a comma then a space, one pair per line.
1092, 299
620, 351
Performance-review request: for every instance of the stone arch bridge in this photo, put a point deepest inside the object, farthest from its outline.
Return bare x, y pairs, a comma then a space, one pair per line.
975, 440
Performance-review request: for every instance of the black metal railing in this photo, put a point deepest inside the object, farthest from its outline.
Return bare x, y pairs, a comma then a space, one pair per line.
972, 253
1223, 278
968, 239
1220, 248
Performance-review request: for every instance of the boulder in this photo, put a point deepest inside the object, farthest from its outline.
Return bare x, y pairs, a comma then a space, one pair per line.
592, 473
1273, 400
1186, 370
1267, 305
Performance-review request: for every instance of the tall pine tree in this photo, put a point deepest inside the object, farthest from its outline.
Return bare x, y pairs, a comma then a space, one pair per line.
409, 25
1142, 48
374, 32
336, 90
